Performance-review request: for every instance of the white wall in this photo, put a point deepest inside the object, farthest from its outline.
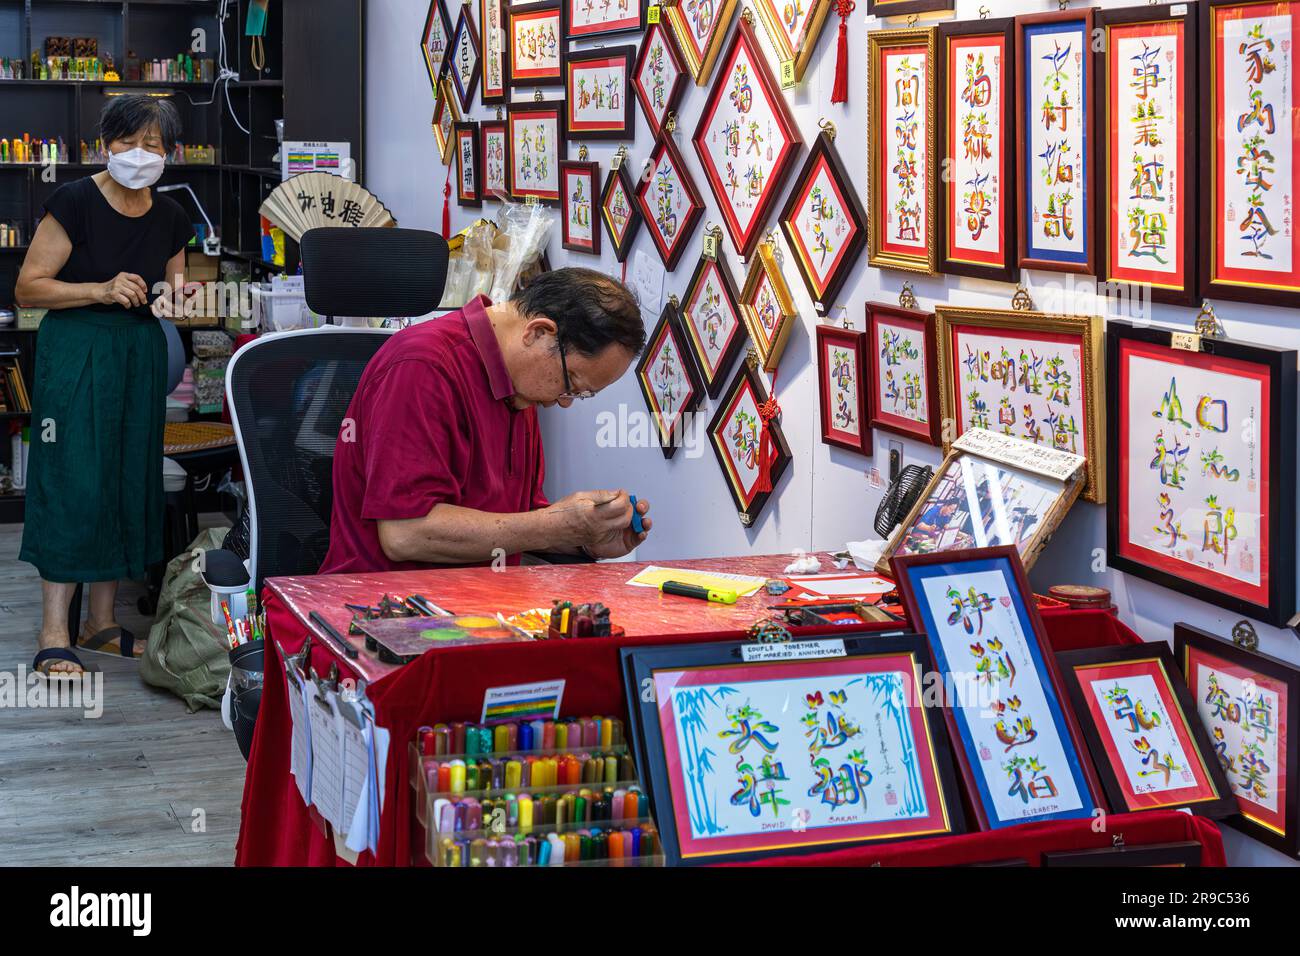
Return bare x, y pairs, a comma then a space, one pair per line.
828, 496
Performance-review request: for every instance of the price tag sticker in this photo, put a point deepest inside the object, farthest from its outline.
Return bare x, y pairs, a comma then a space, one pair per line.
652, 15
1187, 341
711, 245
788, 81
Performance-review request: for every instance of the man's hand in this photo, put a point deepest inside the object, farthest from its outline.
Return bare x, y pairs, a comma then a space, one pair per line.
600, 521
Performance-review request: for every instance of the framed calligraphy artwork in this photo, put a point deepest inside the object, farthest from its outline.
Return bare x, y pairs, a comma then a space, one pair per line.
462, 66
841, 387
977, 134
793, 26
596, 95
1250, 170
1027, 374
493, 63
659, 78
1249, 704
1147, 96
535, 143
699, 27
669, 381
1054, 87
767, 306
445, 117
902, 373
1203, 472
469, 166
670, 204
600, 18
824, 222
1148, 745
746, 139
579, 231
618, 210
435, 41
535, 34
751, 466
1018, 747
714, 325
900, 144
494, 149
747, 759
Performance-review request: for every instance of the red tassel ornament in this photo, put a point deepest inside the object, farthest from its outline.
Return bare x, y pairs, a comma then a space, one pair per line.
840, 91
446, 205
766, 443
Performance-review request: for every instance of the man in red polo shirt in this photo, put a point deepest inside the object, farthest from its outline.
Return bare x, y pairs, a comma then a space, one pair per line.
439, 460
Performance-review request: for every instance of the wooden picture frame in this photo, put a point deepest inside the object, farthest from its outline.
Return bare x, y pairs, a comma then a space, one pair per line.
990, 623
598, 104
903, 372
794, 43
715, 326
535, 44
619, 211
1184, 853
660, 76
533, 154
901, 150
494, 149
1218, 510
745, 97
1244, 221
1235, 690
1058, 351
699, 36
469, 165
494, 65
588, 19
435, 41
736, 435
446, 114
886, 723
767, 306
823, 216
1056, 228
669, 381
1140, 722
669, 202
899, 8
463, 58
579, 228
842, 388
1147, 109
977, 139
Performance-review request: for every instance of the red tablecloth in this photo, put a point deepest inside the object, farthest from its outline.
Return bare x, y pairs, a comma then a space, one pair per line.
448, 684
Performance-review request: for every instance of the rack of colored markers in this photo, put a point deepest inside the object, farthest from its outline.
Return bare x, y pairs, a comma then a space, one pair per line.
594, 846
463, 737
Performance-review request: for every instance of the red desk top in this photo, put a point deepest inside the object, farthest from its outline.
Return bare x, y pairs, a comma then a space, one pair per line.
640, 611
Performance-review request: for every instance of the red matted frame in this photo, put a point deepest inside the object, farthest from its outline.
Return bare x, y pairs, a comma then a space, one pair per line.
660, 38
704, 316
1218, 280
992, 179
547, 109
749, 502
1029, 110
617, 183
744, 46
1166, 190
585, 61
1195, 650
921, 326
667, 668
466, 133
842, 207
1125, 722
611, 17
486, 151
1273, 599
464, 26
832, 397
668, 335
588, 174
487, 9
436, 18
544, 15
670, 229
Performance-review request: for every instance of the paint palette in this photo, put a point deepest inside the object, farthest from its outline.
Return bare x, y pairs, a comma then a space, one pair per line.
403, 639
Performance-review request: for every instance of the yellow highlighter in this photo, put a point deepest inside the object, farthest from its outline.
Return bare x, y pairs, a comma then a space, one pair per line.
695, 591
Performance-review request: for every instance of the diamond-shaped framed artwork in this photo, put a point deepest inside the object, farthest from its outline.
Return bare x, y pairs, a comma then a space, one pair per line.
824, 222
619, 211
660, 77
794, 29
669, 381
746, 139
669, 202
736, 435
462, 67
699, 27
714, 324
767, 306
435, 41
446, 114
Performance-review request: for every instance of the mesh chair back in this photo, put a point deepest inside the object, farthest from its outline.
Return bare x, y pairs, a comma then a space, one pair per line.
288, 395
373, 272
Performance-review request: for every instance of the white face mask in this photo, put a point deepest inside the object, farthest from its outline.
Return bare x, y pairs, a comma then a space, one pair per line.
135, 168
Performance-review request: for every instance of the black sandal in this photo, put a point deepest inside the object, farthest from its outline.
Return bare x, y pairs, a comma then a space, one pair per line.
49, 655
103, 641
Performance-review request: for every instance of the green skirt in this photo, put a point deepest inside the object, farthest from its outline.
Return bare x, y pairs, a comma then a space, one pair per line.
94, 507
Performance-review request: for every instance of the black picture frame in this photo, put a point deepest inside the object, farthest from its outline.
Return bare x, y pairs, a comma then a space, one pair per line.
619, 176
670, 323
1187, 638
592, 171
577, 58
570, 34
535, 106
714, 383
465, 22
513, 77
1281, 440
437, 8
474, 200
503, 11
1183, 853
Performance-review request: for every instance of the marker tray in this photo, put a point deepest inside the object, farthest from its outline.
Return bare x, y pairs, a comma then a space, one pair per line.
435, 841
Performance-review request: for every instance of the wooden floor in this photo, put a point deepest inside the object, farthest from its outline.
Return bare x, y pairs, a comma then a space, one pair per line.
120, 790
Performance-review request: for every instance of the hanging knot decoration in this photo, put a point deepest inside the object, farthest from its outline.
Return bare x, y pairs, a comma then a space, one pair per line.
446, 205
840, 91
767, 454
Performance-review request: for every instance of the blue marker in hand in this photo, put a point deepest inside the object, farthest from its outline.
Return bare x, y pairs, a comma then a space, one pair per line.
636, 516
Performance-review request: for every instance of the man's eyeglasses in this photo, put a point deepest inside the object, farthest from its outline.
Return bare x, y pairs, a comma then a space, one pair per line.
568, 392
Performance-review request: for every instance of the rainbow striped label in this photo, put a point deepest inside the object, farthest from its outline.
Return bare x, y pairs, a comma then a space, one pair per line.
536, 701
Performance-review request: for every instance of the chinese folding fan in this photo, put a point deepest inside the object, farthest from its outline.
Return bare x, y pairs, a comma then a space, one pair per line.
322, 199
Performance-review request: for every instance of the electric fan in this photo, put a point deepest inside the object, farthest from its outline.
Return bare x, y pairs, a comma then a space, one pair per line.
323, 199
901, 496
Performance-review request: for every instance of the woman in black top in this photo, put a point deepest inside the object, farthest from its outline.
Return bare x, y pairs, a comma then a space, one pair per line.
106, 257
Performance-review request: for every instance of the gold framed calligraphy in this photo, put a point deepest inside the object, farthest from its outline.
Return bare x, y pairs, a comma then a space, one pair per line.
446, 114
793, 26
435, 41
767, 306
700, 26
618, 210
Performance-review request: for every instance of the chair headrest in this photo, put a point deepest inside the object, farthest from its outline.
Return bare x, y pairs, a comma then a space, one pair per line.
373, 272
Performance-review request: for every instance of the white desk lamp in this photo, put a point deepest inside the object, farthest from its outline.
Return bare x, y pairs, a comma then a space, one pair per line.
211, 242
